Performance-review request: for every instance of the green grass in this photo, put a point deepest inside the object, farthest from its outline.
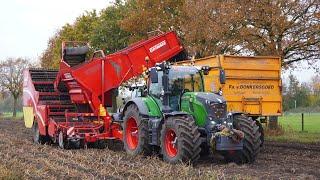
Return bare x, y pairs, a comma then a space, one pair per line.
309, 138
290, 129
293, 122
8, 115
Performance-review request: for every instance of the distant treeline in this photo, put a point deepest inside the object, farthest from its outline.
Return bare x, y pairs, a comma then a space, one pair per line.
301, 95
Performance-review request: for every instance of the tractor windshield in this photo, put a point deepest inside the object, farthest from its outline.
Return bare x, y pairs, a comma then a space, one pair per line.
184, 79
155, 89
181, 79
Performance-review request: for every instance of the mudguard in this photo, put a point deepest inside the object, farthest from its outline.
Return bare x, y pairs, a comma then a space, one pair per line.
143, 106
232, 114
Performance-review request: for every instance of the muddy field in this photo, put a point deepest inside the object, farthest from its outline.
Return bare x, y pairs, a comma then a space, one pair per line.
20, 158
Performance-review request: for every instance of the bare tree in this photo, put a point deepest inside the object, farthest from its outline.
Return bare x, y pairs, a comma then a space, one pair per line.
2, 93
315, 84
11, 78
289, 29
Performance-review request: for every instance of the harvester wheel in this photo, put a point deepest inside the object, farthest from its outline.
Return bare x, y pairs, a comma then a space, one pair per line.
135, 132
37, 137
180, 140
251, 141
100, 144
63, 144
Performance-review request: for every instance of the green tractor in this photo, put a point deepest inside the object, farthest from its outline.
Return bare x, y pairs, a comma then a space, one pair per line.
175, 117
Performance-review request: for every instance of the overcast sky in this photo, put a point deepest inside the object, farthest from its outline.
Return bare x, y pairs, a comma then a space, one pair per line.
26, 26
303, 74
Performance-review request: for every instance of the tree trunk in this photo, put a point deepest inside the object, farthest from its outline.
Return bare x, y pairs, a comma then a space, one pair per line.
15, 99
273, 122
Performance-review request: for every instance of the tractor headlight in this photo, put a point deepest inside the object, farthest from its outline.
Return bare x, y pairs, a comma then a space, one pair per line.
213, 123
208, 102
162, 92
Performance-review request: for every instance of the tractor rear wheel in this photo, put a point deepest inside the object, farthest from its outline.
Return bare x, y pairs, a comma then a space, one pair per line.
251, 141
135, 132
37, 137
180, 140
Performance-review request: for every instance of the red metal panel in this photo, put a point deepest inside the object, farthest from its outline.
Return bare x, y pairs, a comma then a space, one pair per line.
42, 119
127, 63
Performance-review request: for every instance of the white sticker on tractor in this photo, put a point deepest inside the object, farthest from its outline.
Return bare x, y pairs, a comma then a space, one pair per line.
220, 101
157, 46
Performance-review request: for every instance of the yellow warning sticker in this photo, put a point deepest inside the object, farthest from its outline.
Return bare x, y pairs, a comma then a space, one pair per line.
28, 116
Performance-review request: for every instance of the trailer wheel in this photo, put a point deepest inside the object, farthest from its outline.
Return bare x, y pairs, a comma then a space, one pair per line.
135, 132
180, 140
261, 132
37, 137
63, 144
251, 141
100, 144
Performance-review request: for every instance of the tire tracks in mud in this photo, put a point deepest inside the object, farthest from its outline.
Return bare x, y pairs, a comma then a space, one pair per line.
33, 161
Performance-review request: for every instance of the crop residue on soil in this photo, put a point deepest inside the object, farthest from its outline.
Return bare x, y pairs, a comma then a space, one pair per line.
20, 158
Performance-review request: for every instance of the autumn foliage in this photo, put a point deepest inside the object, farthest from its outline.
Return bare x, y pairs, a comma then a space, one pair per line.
285, 28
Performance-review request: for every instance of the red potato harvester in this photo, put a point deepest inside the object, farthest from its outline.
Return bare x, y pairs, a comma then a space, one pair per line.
68, 106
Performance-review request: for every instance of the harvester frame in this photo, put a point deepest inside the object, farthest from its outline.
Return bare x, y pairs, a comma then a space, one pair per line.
84, 119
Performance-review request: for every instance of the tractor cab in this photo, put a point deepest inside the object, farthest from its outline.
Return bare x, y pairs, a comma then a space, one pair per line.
181, 79
181, 88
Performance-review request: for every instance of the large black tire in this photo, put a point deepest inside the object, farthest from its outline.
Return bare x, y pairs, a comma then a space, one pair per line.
37, 137
261, 132
101, 144
251, 141
187, 140
140, 145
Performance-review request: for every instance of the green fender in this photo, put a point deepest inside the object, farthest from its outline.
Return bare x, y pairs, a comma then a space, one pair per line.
147, 106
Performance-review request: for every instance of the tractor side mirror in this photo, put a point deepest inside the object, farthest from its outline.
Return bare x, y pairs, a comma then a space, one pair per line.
154, 75
222, 76
205, 70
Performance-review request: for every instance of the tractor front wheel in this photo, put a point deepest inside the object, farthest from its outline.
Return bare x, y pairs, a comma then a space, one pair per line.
135, 132
251, 141
180, 140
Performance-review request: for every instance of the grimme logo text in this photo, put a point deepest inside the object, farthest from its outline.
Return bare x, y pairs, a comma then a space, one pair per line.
157, 46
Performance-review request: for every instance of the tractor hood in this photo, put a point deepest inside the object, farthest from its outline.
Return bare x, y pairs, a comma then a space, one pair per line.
210, 98
205, 107
214, 104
